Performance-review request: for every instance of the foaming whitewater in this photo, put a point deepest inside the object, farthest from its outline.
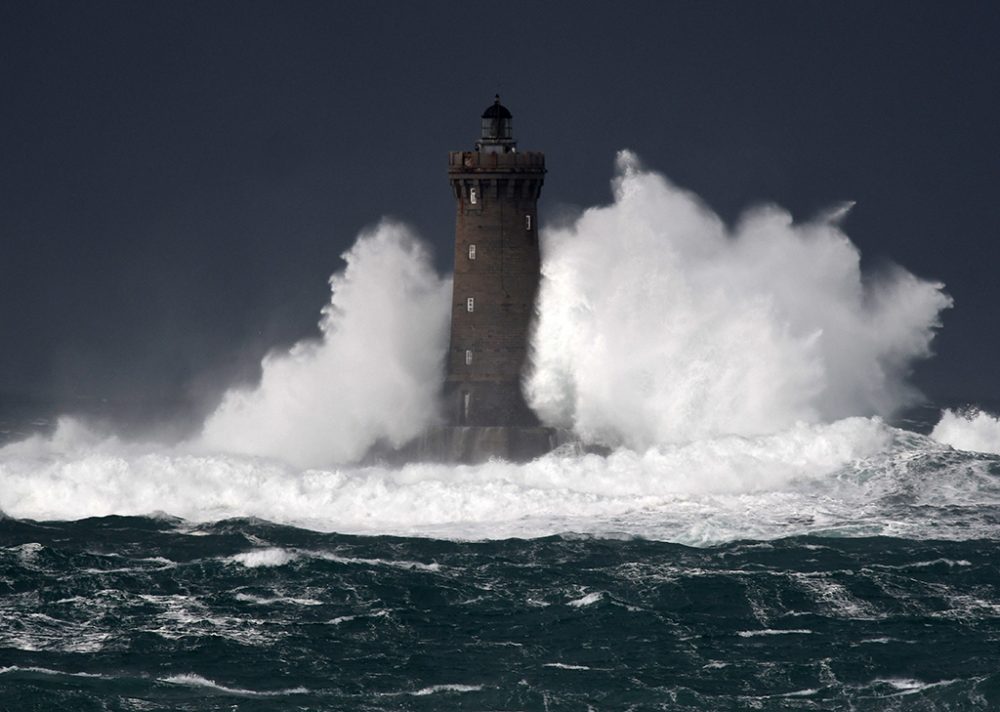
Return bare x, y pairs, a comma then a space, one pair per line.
373, 375
659, 324
727, 370
853, 477
974, 430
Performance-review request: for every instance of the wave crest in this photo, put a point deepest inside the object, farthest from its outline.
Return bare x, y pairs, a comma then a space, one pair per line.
973, 430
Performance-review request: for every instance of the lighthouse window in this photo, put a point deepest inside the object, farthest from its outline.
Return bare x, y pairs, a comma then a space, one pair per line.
466, 397
472, 196
470, 304
468, 357
527, 222
472, 252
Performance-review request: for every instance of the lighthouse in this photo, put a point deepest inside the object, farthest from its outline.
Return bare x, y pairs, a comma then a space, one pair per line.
497, 270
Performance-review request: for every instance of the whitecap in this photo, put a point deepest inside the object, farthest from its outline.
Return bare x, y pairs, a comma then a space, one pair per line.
46, 671
910, 686
587, 600
972, 429
194, 680
434, 689
773, 631
264, 601
273, 556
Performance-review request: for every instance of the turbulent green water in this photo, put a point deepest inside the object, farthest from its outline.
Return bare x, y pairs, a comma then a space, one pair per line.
139, 613
845, 566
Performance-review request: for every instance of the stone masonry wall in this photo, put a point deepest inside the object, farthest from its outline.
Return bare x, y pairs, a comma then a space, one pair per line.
496, 211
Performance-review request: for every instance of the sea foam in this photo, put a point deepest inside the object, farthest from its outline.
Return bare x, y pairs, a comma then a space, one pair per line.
840, 477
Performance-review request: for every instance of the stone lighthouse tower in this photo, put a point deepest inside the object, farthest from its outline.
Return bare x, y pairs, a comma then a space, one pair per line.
496, 191
497, 271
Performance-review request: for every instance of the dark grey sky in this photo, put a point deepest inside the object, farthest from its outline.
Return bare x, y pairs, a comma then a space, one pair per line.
179, 178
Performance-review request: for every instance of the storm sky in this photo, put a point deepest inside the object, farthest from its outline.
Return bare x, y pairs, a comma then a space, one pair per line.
179, 179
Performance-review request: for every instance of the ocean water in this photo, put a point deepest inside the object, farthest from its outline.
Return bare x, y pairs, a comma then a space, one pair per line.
851, 566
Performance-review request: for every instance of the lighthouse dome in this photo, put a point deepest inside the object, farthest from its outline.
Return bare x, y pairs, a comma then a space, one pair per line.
496, 110
497, 128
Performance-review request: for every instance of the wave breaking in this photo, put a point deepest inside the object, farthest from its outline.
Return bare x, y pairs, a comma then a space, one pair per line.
736, 375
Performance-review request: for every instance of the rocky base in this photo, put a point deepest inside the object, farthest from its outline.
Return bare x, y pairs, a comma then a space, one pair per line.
470, 445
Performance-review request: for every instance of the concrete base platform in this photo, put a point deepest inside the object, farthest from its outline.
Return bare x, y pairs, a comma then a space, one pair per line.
470, 445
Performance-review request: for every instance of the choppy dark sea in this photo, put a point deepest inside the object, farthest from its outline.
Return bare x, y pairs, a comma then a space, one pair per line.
161, 613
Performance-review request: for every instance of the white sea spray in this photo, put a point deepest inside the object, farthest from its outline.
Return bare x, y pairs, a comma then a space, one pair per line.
374, 374
658, 323
973, 430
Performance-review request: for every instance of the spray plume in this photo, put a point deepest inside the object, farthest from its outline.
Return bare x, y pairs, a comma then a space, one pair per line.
657, 324
973, 430
373, 375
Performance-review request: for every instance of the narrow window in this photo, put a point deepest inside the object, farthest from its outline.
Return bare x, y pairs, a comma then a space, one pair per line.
527, 222
470, 304
466, 397
472, 252
472, 196
468, 357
